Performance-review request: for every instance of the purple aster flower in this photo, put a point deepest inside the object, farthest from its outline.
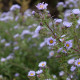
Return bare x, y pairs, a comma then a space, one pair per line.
73, 68
77, 62
16, 74
42, 6
67, 24
51, 41
68, 44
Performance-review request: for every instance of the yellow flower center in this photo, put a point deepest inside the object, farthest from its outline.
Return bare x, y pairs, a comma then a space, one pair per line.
51, 41
67, 45
78, 63
42, 64
31, 74
41, 6
52, 53
64, 50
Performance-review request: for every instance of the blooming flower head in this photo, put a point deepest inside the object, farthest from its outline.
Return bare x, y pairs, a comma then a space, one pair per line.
64, 51
60, 4
16, 74
58, 20
78, 21
61, 73
31, 73
76, 11
51, 41
71, 61
67, 24
38, 29
39, 71
42, 64
73, 68
7, 44
51, 53
42, 6
77, 62
68, 79
68, 44
14, 7
3, 59
33, 12
54, 76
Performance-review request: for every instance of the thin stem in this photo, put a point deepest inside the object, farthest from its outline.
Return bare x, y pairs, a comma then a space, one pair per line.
75, 50
52, 32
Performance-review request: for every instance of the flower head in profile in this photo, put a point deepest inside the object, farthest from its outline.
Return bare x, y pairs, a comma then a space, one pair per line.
31, 73
67, 24
68, 44
71, 61
73, 68
42, 6
60, 4
51, 41
77, 62
14, 7
42, 64
39, 71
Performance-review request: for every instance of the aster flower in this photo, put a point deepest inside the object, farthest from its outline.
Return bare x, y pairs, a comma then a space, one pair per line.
62, 38
51, 41
71, 61
25, 32
3, 59
16, 48
42, 44
31, 73
73, 68
78, 21
3, 40
7, 44
58, 20
64, 51
33, 12
61, 73
39, 71
38, 29
42, 6
51, 53
67, 24
14, 7
16, 35
42, 64
10, 56
68, 79
60, 49
60, 4
71, 76
77, 62
76, 11
54, 76
68, 44
16, 74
